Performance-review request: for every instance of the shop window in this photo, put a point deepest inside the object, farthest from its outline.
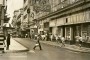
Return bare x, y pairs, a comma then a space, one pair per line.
68, 33
46, 25
78, 29
50, 29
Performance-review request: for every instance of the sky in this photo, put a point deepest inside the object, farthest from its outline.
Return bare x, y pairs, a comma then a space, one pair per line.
13, 5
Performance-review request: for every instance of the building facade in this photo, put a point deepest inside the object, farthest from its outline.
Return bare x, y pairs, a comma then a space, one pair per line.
67, 18
3, 9
17, 22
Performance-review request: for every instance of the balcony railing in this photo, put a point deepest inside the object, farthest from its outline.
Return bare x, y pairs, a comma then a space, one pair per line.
58, 6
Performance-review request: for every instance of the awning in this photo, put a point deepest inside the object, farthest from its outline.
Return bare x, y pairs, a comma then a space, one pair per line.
7, 25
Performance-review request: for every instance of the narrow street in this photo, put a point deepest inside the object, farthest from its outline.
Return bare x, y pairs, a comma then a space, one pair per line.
14, 56
62, 27
50, 52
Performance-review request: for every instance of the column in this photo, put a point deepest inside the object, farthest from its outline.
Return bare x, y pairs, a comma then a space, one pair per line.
61, 31
71, 33
2, 17
65, 32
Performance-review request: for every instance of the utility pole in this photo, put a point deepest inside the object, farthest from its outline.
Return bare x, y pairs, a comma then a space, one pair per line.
28, 12
2, 17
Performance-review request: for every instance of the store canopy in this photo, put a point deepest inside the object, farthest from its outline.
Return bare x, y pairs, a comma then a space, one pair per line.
8, 25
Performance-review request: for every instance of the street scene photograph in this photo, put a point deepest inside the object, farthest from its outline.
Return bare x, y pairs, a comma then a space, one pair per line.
44, 29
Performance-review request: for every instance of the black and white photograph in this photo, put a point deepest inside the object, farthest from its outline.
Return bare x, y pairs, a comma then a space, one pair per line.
44, 29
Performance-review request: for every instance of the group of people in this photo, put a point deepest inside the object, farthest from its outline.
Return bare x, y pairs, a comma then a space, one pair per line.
59, 39
62, 39
81, 40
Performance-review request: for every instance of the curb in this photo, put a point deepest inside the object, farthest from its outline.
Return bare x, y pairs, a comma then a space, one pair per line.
66, 48
15, 51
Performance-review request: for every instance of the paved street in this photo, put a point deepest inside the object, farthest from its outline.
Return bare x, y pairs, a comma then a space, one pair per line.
19, 52
14, 56
51, 53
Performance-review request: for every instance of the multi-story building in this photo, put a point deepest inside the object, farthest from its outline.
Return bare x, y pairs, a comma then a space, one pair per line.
14, 21
17, 21
68, 18
3, 17
40, 8
28, 16
3, 8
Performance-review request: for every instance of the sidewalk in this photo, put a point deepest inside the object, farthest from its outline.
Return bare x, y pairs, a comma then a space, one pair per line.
16, 47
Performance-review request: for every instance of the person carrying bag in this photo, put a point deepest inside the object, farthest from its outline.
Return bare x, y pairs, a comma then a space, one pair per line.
38, 43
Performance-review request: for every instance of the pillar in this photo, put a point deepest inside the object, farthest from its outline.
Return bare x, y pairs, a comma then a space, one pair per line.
62, 31
71, 33
2, 17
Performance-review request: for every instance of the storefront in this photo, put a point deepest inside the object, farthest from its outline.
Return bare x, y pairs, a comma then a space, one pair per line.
85, 33
53, 27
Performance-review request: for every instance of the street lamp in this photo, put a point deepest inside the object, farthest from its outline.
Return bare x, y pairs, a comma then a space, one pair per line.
28, 12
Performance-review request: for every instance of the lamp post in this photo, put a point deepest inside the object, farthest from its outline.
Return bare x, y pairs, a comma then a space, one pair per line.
36, 26
2, 16
28, 12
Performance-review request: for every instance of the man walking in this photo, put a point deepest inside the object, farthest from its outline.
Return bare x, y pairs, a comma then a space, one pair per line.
8, 41
62, 41
38, 43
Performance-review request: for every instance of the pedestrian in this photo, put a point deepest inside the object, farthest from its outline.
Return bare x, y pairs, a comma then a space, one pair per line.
8, 41
80, 41
26, 35
62, 41
4, 41
38, 43
57, 38
51, 37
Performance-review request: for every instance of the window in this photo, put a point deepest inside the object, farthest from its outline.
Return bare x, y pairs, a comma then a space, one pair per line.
25, 1
46, 25
66, 20
25, 16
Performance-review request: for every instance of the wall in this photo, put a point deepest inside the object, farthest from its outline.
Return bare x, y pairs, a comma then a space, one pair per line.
1, 1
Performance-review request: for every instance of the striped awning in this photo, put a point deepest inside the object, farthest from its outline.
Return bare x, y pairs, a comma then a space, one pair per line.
7, 25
